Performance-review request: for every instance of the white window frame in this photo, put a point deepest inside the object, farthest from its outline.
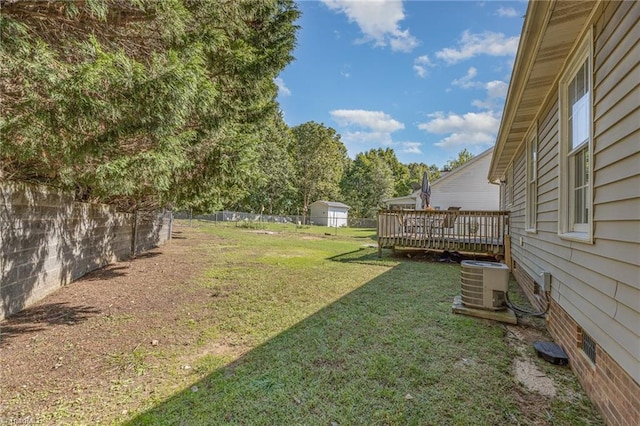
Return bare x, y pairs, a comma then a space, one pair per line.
567, 227
509, 192
531, 152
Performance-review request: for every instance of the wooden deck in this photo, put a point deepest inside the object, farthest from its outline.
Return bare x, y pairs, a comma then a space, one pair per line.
463, 230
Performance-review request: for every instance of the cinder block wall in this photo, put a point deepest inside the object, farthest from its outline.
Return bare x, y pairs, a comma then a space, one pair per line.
47, 240
152, 230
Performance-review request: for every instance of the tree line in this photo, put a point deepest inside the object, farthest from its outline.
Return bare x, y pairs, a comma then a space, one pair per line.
147, 104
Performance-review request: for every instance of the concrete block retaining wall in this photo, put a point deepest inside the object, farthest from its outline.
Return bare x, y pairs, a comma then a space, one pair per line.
48, 240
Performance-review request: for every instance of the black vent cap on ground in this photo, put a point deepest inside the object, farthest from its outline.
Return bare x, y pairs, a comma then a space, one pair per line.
551, 352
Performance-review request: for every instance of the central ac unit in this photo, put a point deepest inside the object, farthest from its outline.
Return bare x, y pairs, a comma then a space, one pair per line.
484, 284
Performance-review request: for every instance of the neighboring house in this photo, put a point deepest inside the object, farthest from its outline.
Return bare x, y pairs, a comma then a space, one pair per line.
329, 213
465, 187
568, 157
410, 202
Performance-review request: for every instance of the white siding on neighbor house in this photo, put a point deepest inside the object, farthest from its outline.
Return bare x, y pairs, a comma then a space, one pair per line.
597, 284
466, 188
409, 202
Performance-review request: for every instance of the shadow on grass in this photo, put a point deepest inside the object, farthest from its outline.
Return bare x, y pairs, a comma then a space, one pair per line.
368, 234
389, 352
362, 255
36, 318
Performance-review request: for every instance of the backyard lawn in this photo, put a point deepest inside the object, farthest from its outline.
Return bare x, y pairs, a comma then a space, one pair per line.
274, 326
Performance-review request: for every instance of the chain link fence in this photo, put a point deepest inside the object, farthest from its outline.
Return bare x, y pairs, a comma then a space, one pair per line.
238, 217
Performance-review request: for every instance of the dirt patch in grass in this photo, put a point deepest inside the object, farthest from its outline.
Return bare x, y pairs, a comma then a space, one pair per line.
107, 343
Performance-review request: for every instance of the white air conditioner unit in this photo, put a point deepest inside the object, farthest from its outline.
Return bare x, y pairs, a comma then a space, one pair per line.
484, 284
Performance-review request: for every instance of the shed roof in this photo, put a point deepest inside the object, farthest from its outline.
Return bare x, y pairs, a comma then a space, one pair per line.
331, 204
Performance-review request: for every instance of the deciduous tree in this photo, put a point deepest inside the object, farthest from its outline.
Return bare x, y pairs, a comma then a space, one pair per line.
463, 157
368, 181
320, 158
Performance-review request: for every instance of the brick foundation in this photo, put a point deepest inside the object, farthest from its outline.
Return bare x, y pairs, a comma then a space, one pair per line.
612, 390
527, 284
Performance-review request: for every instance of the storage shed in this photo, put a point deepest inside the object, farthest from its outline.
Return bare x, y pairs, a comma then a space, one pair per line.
329, 213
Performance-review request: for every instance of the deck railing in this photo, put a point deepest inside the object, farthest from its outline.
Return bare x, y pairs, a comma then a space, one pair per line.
455, 230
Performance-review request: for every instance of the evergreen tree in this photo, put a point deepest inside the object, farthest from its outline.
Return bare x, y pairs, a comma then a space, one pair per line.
141, 103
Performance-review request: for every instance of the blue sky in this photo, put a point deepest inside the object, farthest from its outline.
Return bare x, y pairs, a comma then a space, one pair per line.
426, 78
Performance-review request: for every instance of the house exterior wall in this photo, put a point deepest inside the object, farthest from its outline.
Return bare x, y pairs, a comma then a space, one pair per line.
466, 188
612, 389
595, 288
411, 202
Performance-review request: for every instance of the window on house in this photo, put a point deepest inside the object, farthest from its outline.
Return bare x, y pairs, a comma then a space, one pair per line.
532, 180
576, 144
509, 187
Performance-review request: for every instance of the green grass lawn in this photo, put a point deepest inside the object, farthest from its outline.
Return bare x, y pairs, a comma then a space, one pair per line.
331, 334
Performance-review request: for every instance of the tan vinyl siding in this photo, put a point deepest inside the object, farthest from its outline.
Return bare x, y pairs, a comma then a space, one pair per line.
597, 284
548, 173
625, 146
627, 210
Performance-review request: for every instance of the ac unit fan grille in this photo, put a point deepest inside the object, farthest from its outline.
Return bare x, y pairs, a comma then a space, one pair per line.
484, 284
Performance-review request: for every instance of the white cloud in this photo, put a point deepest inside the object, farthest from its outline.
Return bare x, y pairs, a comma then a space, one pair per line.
376, 121
467, 82
420, 65
463, 130
346, 71
507, 12
486, 43
378, 20
282, 88
496, 93
363, 127
496, 89
402, 41
363, 137
411, 147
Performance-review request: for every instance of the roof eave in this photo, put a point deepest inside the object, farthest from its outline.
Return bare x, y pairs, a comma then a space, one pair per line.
550, 32
533, 28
